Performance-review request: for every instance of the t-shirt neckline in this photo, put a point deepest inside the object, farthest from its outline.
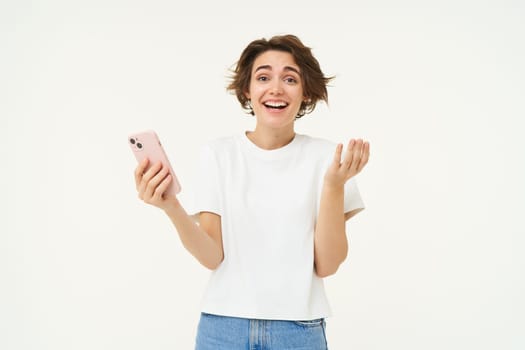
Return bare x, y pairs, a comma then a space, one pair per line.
277, 153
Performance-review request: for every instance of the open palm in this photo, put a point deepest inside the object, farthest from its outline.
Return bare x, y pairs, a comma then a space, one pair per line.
345, 167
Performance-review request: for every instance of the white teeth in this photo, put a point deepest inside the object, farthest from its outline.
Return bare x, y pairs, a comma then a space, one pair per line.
276, 104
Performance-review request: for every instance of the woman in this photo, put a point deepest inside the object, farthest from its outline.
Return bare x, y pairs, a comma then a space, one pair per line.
272, 206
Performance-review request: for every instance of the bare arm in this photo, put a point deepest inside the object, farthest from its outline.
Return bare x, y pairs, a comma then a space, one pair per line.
203, 241
330, 241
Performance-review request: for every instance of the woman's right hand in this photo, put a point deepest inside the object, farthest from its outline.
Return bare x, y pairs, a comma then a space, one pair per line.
152, 184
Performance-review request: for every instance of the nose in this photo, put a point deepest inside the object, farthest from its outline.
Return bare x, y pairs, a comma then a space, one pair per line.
276, 87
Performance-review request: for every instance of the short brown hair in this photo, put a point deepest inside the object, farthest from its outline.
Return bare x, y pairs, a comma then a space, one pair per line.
313, 80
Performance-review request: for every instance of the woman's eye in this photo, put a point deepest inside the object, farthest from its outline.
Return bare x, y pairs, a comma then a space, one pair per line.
262, 78
290, 80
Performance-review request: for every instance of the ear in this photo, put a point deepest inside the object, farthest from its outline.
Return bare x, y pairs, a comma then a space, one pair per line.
247, 94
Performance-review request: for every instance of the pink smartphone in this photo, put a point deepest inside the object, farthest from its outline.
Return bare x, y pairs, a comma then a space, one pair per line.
146, 144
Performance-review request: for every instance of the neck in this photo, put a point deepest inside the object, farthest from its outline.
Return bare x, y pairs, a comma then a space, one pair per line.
270, 139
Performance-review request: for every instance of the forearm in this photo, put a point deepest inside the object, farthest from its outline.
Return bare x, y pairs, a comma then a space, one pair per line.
199, 243
330, 241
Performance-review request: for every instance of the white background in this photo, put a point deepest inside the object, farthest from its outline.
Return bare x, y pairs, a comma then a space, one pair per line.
437, 87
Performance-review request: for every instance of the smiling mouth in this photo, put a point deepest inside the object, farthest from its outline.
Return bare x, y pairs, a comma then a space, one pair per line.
275, 105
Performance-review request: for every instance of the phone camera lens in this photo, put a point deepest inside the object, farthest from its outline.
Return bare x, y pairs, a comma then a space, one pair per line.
139, 145
132, 141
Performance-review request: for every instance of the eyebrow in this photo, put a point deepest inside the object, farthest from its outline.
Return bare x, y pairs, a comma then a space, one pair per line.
286, 68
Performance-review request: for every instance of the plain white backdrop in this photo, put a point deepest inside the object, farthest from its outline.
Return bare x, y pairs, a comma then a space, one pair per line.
437, 87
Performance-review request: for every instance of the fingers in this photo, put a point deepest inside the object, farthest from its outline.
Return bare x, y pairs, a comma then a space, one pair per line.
349, 155
153, 178
357, 155
161, 188
139, 172
149, 188
337, 154
356, 152
364, 157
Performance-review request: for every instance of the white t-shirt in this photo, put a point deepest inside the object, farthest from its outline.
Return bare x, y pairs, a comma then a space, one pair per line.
268, 201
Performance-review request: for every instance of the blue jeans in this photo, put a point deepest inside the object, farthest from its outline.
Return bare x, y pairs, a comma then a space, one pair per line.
232, 333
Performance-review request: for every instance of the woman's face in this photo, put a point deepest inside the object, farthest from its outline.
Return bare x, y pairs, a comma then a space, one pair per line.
276, 89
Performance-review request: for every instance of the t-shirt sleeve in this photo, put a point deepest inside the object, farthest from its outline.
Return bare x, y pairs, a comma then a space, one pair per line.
207, 185
353, 201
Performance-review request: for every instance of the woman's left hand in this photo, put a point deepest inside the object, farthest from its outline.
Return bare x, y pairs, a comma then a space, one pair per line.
354, 160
